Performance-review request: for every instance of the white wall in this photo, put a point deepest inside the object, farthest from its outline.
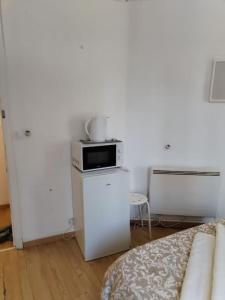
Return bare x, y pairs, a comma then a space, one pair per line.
68, 59
172, 45
66, 62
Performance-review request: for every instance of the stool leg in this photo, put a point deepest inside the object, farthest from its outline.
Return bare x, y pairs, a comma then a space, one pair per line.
149, 220
141, 216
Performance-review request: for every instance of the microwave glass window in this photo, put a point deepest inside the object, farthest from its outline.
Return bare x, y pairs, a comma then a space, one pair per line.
99, 157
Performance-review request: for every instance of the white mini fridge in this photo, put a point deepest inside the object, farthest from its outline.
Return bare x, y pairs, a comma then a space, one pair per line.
101, 211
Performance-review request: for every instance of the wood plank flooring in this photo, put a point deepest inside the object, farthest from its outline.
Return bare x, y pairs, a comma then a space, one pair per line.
57, 271
5, 220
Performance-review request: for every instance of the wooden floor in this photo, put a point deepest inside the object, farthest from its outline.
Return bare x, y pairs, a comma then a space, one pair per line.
5, 220
57, 270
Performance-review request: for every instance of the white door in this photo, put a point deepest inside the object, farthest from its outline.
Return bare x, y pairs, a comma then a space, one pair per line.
106, 214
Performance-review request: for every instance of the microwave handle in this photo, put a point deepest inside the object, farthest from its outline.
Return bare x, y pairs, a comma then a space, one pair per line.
86, 128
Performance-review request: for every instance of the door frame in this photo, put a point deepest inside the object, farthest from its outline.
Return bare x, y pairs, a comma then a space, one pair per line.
14, 196
14, 192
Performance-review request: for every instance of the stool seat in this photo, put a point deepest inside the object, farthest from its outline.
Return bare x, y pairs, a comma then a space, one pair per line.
137, 199
141, 200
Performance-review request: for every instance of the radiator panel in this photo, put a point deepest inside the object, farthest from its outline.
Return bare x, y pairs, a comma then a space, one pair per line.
184, 192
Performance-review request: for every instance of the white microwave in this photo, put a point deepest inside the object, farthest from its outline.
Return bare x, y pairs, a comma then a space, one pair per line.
90, 156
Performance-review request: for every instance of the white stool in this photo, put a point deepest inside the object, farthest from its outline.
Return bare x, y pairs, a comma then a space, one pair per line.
140, 200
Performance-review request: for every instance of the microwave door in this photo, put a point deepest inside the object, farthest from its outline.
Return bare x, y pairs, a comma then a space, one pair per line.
99, 157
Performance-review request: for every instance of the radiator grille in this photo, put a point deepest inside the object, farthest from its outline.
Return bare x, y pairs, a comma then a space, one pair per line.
192, 173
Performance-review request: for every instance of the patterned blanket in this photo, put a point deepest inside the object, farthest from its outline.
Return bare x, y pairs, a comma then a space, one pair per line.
153, 271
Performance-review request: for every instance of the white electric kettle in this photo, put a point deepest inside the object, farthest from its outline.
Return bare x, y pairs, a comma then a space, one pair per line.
96, 129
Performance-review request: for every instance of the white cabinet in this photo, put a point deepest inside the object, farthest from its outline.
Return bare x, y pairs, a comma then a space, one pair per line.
101, 211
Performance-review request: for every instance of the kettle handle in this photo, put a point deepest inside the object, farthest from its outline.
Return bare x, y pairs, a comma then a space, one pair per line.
86, 128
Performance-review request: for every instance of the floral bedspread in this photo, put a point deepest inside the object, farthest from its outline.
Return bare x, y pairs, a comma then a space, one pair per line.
153, 271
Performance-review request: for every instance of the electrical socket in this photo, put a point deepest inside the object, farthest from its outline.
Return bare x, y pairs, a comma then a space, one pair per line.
71, 221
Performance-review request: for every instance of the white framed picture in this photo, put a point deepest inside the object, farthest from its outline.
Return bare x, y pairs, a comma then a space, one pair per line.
217, 89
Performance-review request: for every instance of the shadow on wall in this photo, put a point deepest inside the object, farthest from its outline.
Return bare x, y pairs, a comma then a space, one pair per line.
141, 179
76, 127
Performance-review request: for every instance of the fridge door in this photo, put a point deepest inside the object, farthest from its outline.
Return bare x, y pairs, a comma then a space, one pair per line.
106, 214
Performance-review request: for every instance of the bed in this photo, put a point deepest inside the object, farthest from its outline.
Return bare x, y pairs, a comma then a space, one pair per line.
153, 271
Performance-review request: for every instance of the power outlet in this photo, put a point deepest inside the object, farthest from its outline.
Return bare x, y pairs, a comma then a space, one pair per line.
71, 221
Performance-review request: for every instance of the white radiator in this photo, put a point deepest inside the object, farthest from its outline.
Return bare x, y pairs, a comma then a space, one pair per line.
182, 191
